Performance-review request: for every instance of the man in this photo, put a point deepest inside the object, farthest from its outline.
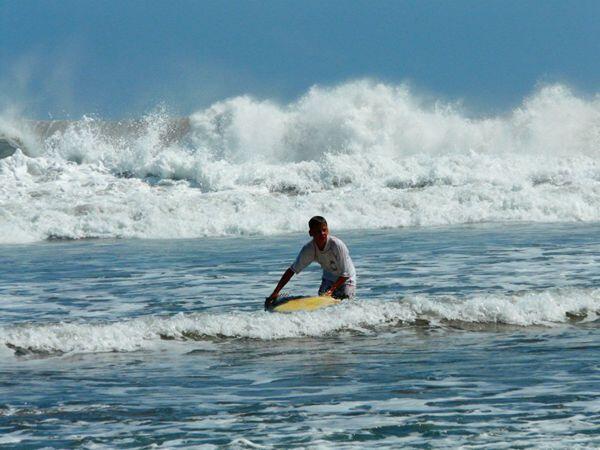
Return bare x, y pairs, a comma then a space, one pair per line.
339, 275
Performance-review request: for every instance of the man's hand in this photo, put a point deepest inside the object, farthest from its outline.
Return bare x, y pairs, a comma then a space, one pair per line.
269, 301
336, 285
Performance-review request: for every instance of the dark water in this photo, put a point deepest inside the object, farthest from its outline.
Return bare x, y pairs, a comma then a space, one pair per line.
483, 336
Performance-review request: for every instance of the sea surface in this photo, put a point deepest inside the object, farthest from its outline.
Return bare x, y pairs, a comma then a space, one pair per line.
472, 336
135, 257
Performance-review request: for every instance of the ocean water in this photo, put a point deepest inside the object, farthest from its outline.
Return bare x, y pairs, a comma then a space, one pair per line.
481, 336
135, 257
365, 155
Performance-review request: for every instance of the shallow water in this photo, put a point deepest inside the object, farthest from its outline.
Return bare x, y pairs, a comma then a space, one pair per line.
474, 336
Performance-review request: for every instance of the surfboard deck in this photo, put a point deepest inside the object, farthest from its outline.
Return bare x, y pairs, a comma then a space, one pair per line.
291, 304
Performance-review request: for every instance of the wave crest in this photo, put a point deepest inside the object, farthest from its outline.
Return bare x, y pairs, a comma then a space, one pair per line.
544, 308
363, 154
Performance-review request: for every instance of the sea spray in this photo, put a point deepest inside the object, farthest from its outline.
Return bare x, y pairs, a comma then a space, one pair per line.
366, 155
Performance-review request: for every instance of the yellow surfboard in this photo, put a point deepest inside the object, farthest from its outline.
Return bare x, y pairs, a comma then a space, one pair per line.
291, 304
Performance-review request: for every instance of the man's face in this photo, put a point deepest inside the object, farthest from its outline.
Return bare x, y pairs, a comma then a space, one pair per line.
319, 234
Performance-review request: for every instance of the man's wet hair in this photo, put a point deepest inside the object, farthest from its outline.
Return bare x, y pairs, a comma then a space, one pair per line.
316, 221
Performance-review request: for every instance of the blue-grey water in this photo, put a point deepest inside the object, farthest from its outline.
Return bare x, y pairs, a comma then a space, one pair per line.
480, 336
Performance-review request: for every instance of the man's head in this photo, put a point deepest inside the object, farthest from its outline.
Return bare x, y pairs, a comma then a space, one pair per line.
318, 229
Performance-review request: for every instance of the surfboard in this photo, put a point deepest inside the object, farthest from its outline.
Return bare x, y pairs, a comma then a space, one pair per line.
292, 304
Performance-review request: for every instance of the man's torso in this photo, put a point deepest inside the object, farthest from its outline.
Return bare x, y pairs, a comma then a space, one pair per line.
334, 259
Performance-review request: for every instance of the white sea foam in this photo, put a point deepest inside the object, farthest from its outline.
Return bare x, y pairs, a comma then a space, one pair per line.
11, 438
363, 154
546, 308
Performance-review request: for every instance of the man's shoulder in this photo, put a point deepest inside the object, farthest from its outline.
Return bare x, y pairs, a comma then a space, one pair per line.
337, 242
308, 246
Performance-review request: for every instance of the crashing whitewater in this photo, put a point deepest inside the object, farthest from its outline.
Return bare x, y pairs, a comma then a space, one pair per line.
363, 154
545, 308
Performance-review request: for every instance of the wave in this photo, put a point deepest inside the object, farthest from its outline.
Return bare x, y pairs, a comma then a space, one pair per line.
480, 312
363, 154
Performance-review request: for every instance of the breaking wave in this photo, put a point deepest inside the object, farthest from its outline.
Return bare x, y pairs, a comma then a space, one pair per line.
481, 312
365, 155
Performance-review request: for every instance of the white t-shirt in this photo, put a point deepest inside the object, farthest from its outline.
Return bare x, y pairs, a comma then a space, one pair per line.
334, 259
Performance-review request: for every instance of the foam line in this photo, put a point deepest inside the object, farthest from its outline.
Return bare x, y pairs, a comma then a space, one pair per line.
544, 308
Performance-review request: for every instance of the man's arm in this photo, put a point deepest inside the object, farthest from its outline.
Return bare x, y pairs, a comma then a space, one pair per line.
334, 286
287, 275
